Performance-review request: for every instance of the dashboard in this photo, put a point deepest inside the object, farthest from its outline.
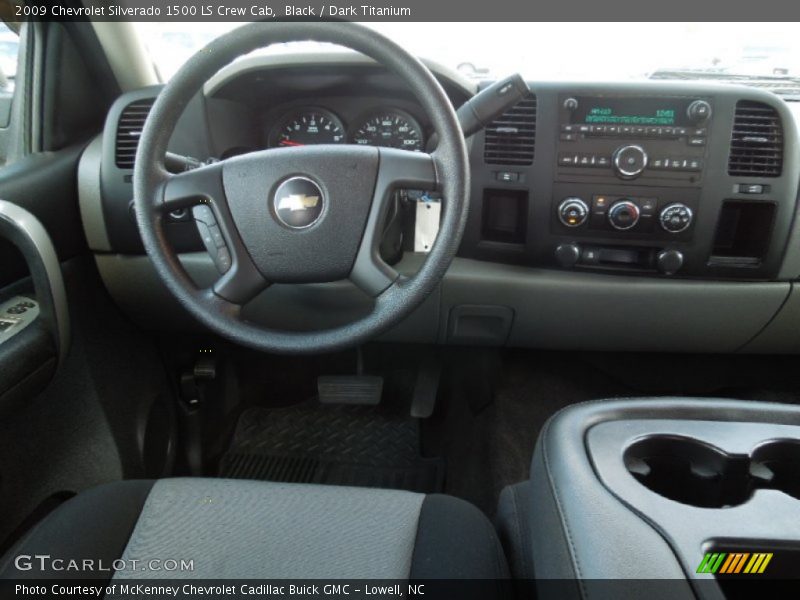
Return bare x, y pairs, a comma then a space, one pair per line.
645, 216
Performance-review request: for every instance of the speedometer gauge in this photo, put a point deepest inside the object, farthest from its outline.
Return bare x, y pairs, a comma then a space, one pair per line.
306, 127
392, 129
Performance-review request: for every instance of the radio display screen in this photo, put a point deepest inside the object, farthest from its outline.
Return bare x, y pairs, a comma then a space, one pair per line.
598, 110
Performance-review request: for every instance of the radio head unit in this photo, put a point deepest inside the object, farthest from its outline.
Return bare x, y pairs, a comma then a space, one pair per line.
658, 139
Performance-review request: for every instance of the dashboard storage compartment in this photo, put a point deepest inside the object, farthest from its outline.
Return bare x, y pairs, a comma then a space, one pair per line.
743, 233
505, 216
689, 471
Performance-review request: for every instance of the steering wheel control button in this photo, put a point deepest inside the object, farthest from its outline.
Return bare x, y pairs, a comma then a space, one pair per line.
623, 215
212, 237
204, 214
675, 218
573, 212
298, 203
629, 161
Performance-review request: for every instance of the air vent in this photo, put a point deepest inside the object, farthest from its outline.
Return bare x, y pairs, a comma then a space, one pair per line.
129, 129
757, 141
510, 139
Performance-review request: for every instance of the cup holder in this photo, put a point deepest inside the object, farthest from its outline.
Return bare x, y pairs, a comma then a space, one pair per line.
692, 472
776, 465
689, 471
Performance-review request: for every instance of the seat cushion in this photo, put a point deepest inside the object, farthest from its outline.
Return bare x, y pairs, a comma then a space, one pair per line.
262, 530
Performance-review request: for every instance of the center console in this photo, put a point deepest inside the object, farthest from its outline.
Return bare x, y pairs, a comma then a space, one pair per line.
673, 498
666, 179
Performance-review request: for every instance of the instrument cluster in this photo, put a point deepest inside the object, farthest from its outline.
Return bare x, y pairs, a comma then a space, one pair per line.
386, 127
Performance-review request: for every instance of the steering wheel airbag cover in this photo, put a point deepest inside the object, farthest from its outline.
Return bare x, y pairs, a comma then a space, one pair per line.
325, 250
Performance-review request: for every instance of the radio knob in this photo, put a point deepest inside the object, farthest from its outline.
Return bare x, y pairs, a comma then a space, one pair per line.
623, 215
629, 161
675, 218
699, 110
571, 104
573, 212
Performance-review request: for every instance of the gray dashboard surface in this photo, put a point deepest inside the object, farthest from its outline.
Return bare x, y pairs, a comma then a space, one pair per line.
551, 309
533, 304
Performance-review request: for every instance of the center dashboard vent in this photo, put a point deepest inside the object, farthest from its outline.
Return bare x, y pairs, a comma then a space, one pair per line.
510, 139
756, 142
129, 130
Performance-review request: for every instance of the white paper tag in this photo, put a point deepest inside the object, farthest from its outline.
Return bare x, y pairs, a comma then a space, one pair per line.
427, 224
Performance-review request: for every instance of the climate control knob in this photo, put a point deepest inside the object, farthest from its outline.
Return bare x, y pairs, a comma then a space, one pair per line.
573, 212
629, 161
675, 218
623, 215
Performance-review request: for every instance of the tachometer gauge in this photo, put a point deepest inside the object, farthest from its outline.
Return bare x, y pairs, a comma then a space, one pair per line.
306, 127
392, 129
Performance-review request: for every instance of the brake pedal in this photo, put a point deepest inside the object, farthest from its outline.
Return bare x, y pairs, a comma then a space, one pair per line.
350, 389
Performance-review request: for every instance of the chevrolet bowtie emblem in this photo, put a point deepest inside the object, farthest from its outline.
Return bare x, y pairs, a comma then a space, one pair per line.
296, 202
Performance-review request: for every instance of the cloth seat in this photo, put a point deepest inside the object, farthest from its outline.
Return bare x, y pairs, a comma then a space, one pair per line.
237, 529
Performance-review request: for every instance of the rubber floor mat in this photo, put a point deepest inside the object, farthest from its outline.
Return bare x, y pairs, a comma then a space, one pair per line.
333, 444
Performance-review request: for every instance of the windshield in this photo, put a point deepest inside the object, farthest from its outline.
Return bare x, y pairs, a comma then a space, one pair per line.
551, 51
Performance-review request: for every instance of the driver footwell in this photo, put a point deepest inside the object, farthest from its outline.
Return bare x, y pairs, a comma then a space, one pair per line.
331, 444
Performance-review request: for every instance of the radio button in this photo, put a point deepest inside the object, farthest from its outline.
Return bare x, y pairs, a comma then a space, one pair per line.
675, 164
694, 164
623, 215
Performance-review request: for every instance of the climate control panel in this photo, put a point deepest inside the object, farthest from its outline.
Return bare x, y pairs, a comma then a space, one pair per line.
616, 213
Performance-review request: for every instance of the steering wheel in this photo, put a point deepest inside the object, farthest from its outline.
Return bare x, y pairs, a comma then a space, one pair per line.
300, 215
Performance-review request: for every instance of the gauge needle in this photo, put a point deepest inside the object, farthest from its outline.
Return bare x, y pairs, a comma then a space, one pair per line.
290, 143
